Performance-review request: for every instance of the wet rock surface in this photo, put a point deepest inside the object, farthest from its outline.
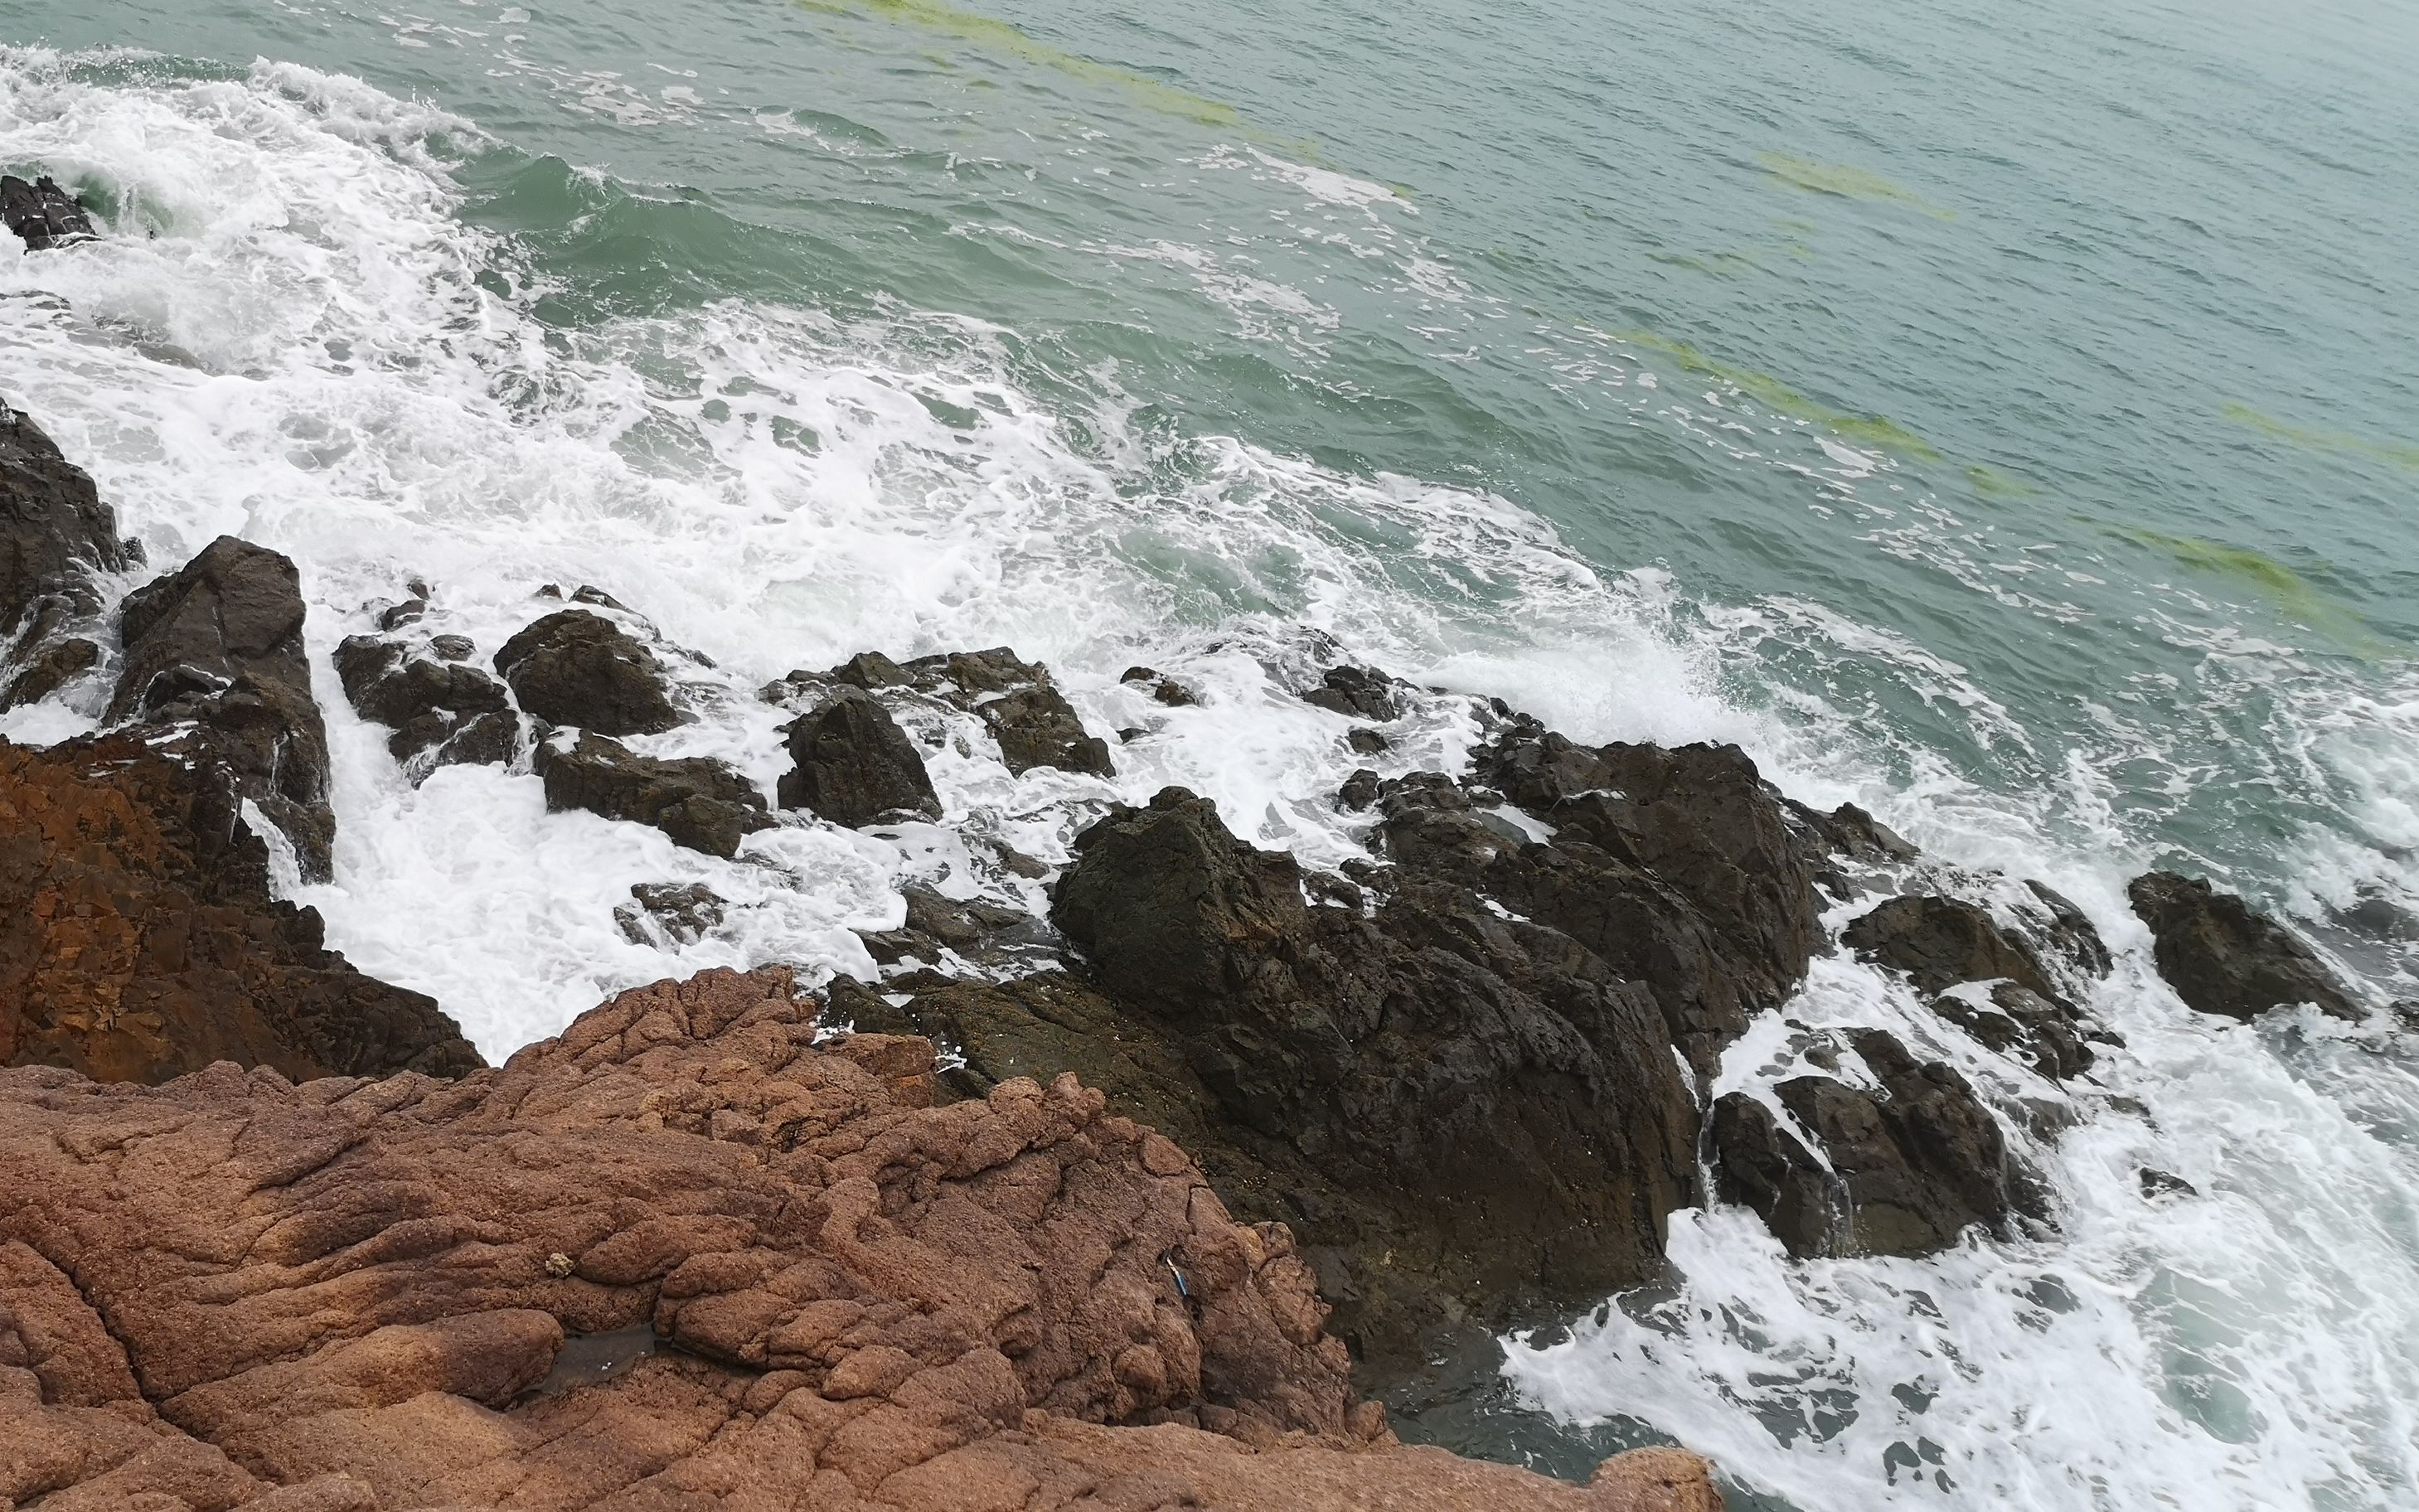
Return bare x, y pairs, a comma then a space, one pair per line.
41, 214
139, 940
57, 539
218, 645
851, 763
1989, 983
233, 1293
2226, 958
672, 913
580, 669
1020, 703
1914, 1161
1411, 1087
701, 803
443, 711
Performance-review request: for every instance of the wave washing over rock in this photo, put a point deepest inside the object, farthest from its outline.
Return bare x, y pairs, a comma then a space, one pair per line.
1075, 1079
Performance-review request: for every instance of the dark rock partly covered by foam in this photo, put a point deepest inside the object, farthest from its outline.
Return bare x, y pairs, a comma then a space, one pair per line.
2224, 957
443, 711
701, 803
1020, 704
57, 539
42, 213
139, 940
1912, 1165
1944, 944
1464, 1114
851, 764
574, 667
234, 1293
1678, 866
217, 645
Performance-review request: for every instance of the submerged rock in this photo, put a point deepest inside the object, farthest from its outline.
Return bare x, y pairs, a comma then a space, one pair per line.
853, 764
855, 1298
443, 712
574, 667
1912, 1165
42, 213
701, 803
682, 914
1462, 1112
2224, 957
218, 645
139, 940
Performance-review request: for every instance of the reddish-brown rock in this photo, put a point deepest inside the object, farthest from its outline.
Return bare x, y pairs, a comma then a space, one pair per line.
230, 1291
139, 940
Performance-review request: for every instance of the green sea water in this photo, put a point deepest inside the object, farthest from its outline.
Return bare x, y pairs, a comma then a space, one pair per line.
2008, 417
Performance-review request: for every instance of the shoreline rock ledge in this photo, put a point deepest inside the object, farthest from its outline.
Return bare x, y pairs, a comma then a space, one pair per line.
694, 1254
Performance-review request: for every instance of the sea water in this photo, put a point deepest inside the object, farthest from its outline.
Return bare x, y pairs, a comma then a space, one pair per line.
2006, 420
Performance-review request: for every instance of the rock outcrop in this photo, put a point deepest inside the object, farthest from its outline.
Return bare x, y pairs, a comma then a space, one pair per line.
42, 213
701, 803
1463, 1113
217, 645
578, 668
680, 1259
1989, 982
443, 712
57, 539
1912, 1162
853, 764
2223, 957
1019, 703
1679, 867
138, 941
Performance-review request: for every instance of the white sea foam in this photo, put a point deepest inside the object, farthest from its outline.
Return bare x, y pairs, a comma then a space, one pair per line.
288, 335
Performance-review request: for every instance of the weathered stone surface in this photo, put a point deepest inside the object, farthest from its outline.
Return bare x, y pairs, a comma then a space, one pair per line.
138, 941
42, 213
54, 534
2223, 957
661, 913
701, 803
1461, 1112
1031, 720
218, 643
230, 1292
49, 669
574, 667
1912, 1165
443, 713
1944, 944
853, 764
1161, 688
1678, 866
1358, 693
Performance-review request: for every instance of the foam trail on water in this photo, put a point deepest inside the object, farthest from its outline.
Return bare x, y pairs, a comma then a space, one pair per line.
291, 335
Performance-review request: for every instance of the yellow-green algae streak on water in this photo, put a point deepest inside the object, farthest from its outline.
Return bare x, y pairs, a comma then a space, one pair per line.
1844, 181
986, 31
1872, 430
2291, 592
2401, 453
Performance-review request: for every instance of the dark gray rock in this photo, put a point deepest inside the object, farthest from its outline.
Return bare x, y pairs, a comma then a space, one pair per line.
2223, 957
48, 669
976, 929
1459, 1113
574, 667
443, 712
1359, 693
1031, 720
1912, 1166
55, 534
662, 912
853, 764
219, 643
42, 213
1942, 943
704, 804
1160, 686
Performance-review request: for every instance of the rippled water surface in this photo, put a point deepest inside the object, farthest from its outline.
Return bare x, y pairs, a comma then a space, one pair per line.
2005, 417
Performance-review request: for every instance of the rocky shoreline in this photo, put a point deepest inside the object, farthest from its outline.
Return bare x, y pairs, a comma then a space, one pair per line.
1214, 1144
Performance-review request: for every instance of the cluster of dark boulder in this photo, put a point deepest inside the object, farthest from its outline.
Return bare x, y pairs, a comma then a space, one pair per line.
1470, 1074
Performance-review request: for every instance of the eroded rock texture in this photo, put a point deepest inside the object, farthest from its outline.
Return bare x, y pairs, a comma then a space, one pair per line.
233, 1293
217, 646
56, 537
1992, 983
138, 939
574, 667
42, 213
443, 711
2223, 957
701, 803
851, 764
1020, 702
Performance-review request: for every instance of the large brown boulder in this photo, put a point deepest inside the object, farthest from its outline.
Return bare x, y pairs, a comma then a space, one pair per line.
1465, 1113
2224, 957
217, 644
138, 941
680, 1260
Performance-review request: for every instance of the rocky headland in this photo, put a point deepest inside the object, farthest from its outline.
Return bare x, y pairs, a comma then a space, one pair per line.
1214, 1146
